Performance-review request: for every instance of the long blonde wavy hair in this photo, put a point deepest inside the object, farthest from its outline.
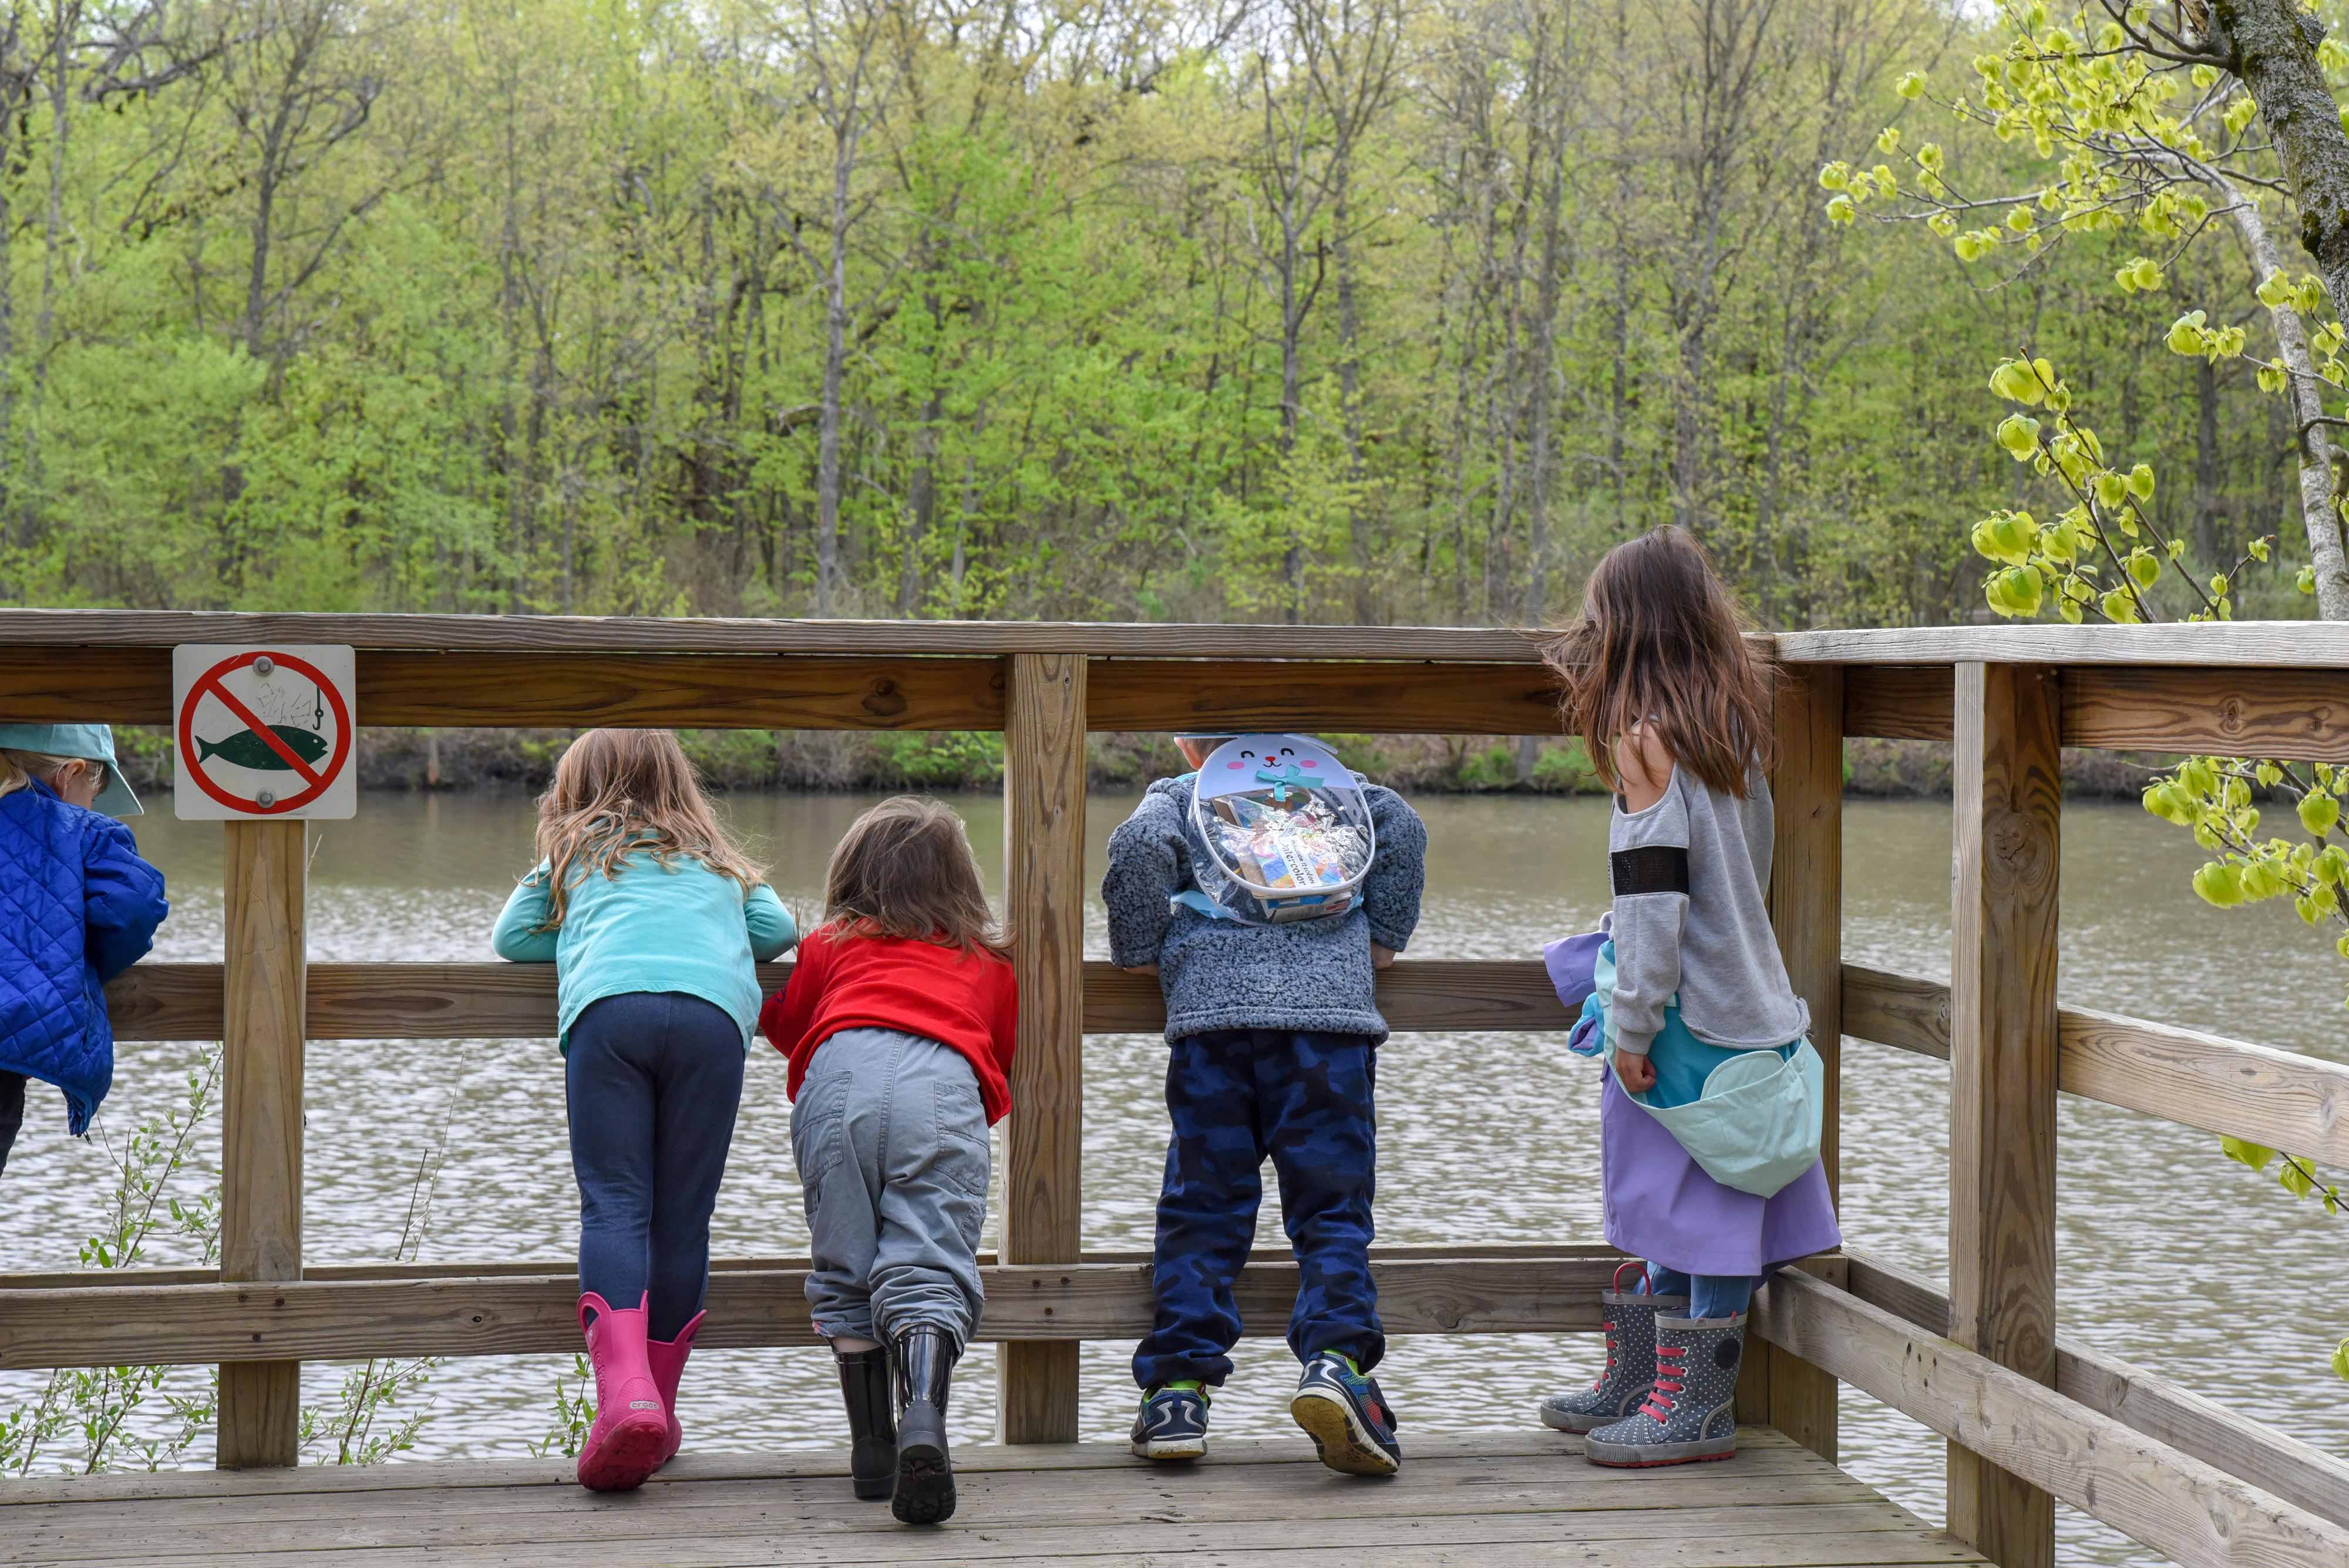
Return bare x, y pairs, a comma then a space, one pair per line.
618, 793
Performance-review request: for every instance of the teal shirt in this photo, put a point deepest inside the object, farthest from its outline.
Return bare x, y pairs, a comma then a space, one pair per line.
685, 930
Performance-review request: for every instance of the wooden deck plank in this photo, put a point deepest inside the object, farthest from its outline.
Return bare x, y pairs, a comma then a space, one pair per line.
1559, 1476
1515, 1497
1523, 1539
1009, 1502
460, 1475
1151, 1550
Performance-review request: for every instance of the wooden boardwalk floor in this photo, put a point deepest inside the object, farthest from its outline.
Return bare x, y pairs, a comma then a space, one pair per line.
1484, 1501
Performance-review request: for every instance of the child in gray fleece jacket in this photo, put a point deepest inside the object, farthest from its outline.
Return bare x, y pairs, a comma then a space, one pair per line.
1272, 1032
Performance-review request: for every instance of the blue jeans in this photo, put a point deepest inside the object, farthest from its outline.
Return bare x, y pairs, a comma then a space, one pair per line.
652, 1081
1709, 1295
1236, 1097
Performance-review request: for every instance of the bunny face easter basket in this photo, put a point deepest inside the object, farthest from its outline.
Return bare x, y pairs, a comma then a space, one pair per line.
1285, 830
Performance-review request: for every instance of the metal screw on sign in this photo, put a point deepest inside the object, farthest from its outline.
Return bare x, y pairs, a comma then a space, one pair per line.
265, 799
263, 665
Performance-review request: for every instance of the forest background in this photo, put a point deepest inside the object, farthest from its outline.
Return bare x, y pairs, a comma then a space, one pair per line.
1303, 310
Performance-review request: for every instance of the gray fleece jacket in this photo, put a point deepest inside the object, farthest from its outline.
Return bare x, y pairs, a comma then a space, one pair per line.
1220, 974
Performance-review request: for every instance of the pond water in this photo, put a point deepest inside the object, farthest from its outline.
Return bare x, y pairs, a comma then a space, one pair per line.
2169, 1256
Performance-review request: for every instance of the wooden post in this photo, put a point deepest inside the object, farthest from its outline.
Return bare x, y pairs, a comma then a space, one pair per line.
1806, 911
2007, 784
261, 1123
1044, 851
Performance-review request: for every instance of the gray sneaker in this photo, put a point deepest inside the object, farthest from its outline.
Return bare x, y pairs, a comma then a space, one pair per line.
1692, 1413
1630, 1361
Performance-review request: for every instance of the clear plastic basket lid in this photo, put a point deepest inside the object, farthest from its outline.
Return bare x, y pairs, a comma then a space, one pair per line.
1285, 826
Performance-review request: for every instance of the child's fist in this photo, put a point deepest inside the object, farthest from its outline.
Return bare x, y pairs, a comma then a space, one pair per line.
1637, 1073
1381, 957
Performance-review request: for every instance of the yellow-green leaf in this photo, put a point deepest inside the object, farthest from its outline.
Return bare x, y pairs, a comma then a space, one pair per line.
2256, 1155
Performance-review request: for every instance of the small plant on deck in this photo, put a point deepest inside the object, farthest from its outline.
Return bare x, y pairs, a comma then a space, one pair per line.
84, 1421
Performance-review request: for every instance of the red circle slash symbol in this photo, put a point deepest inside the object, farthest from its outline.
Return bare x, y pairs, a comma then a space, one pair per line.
210, 684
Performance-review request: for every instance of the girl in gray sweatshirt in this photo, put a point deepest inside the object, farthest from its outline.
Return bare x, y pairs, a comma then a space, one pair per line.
1677, 710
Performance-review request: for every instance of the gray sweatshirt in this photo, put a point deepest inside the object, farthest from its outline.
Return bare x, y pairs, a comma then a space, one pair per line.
1688, 876
1308, 975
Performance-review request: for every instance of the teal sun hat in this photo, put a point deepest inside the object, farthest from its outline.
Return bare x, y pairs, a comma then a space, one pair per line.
93, 743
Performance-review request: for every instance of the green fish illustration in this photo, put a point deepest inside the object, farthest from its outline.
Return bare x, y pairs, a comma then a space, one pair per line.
248, 750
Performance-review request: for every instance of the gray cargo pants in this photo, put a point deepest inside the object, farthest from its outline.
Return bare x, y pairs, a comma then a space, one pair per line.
891, 1140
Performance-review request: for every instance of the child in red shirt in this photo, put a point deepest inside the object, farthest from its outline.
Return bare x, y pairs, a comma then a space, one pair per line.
898, 1022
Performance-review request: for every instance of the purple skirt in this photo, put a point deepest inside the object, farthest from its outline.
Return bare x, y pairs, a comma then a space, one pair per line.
1662, 1206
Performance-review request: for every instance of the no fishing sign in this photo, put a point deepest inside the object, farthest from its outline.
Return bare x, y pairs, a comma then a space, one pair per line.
264, 732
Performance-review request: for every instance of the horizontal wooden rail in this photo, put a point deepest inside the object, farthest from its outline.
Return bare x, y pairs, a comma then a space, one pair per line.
508, 1268
1897, 701
2185, 1509
1358, 695
1529, 1290
2248, 644
2255, 644
2243, 1447
2299, 714
503, 1001
2277, 1098
566, 635
829, 691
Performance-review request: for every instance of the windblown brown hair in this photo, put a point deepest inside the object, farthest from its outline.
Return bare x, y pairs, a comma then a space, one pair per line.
618, 793
905, 869
1662, 642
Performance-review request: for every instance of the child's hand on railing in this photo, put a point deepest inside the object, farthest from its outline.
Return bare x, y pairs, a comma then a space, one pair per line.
1141, 969
1636, 1072
1381, 957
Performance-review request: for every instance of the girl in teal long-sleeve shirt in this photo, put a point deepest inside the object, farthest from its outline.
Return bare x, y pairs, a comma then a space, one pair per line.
655, 923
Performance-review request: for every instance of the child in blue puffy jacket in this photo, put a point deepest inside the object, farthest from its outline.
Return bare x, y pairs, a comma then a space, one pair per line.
81, 908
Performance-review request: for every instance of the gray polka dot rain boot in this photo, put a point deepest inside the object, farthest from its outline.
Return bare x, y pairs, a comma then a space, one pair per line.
1631, 1360
1689, 1415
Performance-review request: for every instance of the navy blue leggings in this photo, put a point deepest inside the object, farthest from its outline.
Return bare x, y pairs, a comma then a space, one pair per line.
654, 1080
1236, 1097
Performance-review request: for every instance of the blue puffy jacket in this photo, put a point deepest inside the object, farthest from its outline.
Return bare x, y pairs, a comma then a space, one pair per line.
81, 907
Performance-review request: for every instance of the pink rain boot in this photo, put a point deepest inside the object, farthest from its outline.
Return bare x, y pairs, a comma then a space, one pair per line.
668, 1357
631, 1427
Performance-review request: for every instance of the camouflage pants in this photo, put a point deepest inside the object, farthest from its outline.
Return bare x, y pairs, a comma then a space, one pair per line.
1236, 1096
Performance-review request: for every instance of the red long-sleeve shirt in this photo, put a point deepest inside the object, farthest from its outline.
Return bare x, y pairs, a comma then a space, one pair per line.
965, 1001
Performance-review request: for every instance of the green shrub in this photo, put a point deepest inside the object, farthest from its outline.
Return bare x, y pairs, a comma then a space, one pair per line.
1494, 767
955, 759
1564, 768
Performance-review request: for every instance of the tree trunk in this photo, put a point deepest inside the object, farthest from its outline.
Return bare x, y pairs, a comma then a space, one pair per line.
835, 366
2318, 518
921, 500
1292, 328
2272, 45
1349, 377
2206, 461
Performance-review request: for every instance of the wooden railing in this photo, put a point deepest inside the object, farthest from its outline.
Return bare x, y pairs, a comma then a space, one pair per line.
2031, 1417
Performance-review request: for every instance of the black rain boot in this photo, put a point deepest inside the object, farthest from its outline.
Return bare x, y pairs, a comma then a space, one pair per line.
925, 1488
871, 1420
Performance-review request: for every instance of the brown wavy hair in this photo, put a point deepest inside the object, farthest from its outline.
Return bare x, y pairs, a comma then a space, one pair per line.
905, 869
618, 793
1663, 643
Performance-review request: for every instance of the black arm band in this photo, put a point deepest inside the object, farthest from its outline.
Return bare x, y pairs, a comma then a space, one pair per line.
1652, 868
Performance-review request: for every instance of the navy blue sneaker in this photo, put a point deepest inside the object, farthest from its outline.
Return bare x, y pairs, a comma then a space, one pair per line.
1172, 1423
1347, 1416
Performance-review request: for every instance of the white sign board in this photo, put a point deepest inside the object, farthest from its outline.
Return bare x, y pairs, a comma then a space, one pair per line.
264, 732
